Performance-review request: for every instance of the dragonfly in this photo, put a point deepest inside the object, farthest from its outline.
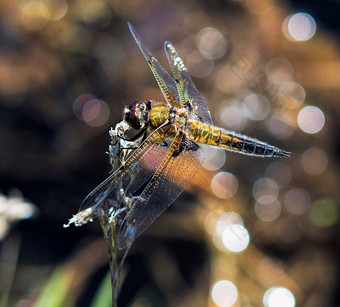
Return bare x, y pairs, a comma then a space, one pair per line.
170, 153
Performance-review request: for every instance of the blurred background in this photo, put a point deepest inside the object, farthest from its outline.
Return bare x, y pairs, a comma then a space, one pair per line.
249, 231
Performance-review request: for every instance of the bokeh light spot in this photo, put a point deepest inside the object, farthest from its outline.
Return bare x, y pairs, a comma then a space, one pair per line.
227, 219
232, 115
311, 119
97, 14
211, 43
314, 161
35, 15
278, 297
214, 158
294, 92
265, 186
256, 107
224, 293
95, 113
279, 70
211, 220
224, 185
297, 201
217, 241
268, 208
57, 8
235, 237
79, 104
324, 213
301, 27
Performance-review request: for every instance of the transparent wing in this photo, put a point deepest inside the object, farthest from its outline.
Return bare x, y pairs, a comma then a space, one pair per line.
165, 82
170, 179
186, 87
177, 66
138, 168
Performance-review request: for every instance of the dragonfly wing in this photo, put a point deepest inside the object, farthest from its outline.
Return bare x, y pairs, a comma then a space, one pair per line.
165, 82
185, 85
177, 66
137, 169
170, 179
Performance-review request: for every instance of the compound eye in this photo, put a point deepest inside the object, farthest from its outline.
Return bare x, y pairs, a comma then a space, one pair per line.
133, 120
131, 115
134, 105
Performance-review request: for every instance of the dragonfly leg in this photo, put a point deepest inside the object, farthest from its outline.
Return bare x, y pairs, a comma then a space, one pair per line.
114, 214
128, 201
186, 144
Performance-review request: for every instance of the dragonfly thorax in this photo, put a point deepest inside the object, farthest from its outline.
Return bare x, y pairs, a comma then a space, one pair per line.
181, 118
139, 114
160, 113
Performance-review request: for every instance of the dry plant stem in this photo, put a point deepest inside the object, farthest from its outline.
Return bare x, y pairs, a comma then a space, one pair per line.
109, 211
110, 232
118, 150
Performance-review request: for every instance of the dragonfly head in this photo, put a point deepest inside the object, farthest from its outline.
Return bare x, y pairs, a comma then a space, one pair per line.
136, 115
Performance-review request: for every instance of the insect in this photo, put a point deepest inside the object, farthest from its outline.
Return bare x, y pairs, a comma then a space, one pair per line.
170, 153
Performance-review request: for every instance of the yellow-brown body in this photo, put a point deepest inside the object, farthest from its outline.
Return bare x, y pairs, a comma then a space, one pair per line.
196, 131
204, 133
159, 113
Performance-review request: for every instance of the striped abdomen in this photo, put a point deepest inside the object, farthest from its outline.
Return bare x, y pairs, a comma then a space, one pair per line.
230, 140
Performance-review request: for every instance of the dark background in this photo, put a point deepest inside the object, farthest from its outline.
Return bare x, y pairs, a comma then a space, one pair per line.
54, 158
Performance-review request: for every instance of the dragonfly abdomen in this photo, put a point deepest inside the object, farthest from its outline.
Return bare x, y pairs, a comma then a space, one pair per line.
210, 135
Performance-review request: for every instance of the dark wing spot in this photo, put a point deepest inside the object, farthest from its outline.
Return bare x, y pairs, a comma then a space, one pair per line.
185, 145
